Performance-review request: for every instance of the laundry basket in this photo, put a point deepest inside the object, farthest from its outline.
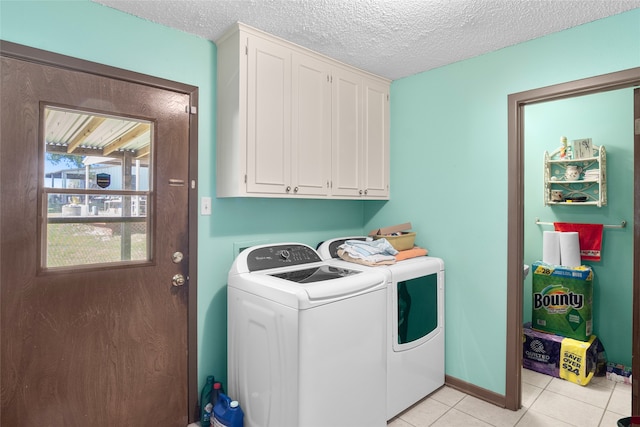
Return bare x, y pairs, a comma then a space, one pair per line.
400, 242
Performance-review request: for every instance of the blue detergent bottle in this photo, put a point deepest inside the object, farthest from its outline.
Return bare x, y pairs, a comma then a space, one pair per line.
227, 413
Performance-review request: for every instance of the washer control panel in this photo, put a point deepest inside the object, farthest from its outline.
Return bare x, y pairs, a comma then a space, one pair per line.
267, 257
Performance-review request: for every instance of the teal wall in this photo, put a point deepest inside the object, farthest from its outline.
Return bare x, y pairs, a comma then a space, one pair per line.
449, 176
448, 161
606, 118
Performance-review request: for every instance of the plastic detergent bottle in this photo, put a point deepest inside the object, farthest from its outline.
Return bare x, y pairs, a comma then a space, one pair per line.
215, 393
206, 408
227, 413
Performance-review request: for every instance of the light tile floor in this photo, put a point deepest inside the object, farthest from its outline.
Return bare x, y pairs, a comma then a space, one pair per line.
546, 402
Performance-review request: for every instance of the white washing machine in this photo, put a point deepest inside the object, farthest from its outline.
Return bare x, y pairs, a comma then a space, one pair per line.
415, 316
306, 342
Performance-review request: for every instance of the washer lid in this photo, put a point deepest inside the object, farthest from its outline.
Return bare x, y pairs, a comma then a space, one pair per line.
348, 284
315, 274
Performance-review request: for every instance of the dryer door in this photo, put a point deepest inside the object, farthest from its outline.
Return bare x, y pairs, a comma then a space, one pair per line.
416, 311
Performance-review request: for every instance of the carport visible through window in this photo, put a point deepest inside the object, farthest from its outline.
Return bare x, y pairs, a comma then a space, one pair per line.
95, 187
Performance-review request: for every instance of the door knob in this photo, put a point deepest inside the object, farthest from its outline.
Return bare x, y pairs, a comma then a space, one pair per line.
178, 280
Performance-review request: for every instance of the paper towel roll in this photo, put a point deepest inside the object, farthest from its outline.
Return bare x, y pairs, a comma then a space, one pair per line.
569, 249
551, 247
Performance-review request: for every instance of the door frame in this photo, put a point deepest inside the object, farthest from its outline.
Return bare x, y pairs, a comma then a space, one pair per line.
27, 53
515, 228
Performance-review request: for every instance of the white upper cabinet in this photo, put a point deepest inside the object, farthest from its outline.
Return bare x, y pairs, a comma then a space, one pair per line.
376, 139
293, 123
347, 134
360, 135
311, 126
268, 117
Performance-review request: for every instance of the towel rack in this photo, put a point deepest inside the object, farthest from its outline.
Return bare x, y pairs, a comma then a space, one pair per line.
623, 224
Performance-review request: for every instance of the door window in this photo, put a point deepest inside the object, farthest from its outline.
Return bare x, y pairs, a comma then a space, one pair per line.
96, 188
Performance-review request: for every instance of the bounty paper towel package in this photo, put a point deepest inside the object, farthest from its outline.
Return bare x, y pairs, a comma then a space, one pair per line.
562, 300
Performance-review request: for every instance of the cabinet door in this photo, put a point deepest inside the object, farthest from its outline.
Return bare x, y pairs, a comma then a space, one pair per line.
311, 126
347, 133
268, 116
376, 139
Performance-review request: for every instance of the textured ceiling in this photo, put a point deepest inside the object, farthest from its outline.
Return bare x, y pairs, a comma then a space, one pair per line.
391, 38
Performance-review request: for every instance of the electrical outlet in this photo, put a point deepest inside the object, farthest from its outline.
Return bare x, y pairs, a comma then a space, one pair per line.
205, 206
240, 246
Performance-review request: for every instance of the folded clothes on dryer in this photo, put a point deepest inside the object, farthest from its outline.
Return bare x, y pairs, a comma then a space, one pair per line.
371, 261
375, 252
416, 251
366, 248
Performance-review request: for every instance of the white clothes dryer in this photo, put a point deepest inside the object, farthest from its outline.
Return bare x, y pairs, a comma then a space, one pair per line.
306, 342
415, 319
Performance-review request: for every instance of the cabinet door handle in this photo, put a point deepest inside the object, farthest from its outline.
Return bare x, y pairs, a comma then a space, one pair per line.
366, 192
288, 188
295, 190
360, 192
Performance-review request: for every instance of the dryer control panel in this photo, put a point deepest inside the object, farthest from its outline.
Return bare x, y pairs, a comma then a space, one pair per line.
267, 257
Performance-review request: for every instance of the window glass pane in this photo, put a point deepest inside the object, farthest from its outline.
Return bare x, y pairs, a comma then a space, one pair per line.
96, 188
76, 243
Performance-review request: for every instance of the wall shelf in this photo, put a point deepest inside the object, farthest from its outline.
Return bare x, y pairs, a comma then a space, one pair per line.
576, 192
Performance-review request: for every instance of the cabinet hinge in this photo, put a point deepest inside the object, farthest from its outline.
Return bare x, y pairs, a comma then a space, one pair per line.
190, 109
245, 178
637, 126
246, 50
387, 97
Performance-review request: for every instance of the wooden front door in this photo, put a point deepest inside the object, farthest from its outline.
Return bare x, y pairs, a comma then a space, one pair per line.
94, 197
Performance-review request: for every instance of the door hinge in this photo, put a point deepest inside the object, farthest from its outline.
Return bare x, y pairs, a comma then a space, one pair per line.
191, 109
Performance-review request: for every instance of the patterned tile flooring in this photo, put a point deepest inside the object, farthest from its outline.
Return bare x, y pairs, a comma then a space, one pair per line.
546, 402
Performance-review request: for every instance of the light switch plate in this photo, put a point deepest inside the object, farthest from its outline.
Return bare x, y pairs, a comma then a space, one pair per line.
205, 206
